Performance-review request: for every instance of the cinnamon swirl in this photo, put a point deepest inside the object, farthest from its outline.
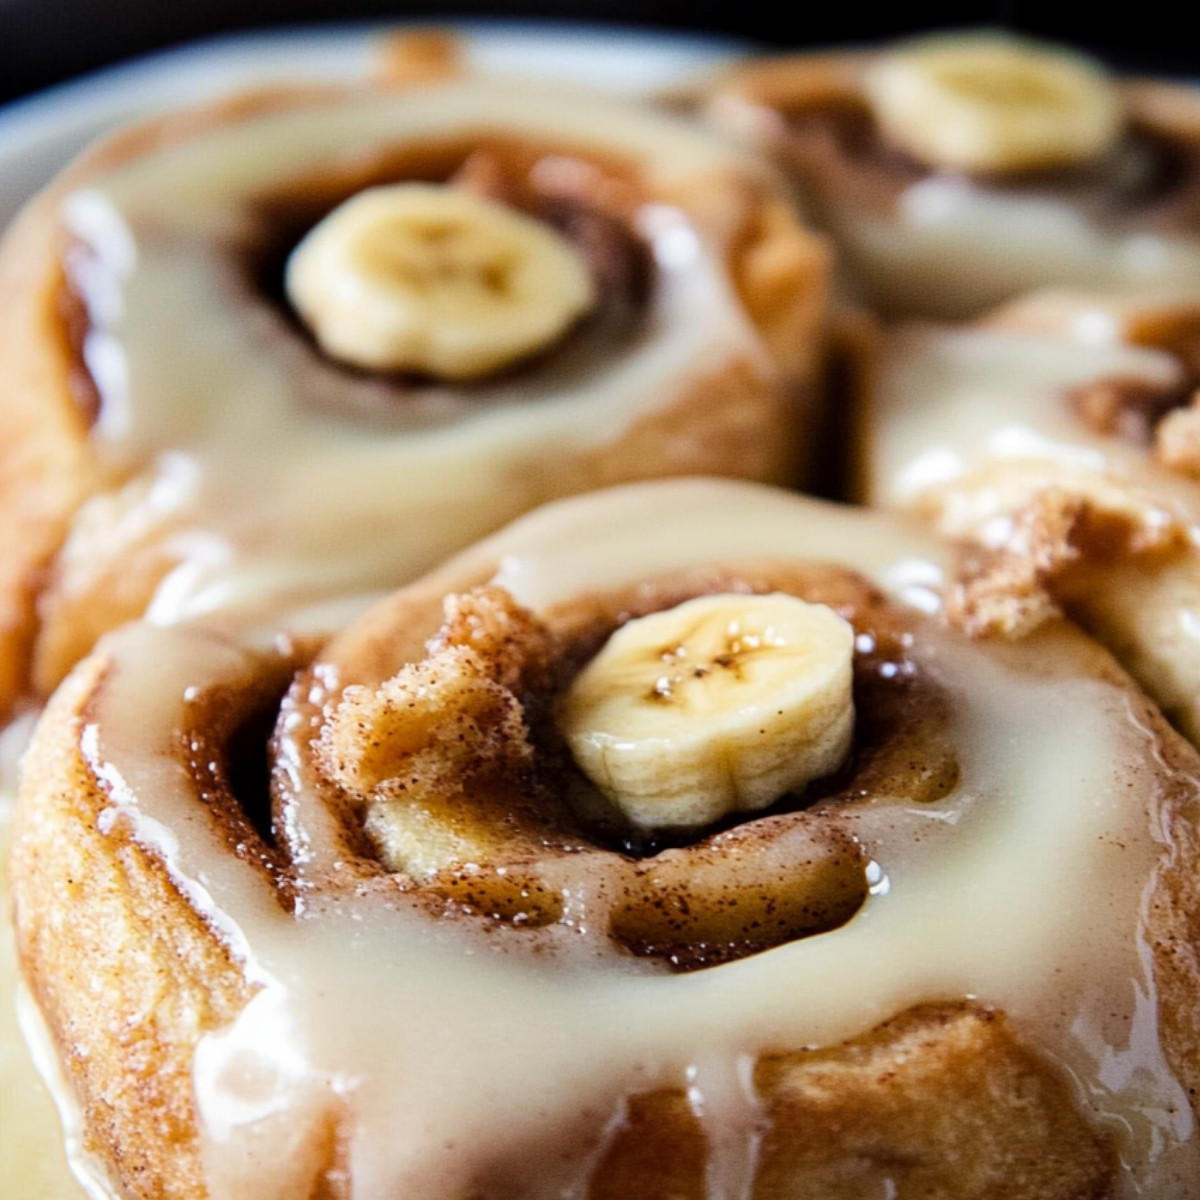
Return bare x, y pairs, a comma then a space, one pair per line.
214, 399
444, 955
960, 170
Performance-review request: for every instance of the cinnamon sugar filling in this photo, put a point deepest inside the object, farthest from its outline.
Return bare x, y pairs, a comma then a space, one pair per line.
1130, 409
457, 787
1150, 415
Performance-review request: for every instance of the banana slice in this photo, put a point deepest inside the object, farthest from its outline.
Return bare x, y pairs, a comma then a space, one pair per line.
430, 278
994, 104
721, 704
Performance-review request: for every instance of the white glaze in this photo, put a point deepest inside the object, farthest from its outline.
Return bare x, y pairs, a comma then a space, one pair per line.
948, 403
446, 1059
951, 247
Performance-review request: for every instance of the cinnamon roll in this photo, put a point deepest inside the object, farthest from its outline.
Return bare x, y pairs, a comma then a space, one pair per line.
960, 170
1058, 437
418, 915
302, 346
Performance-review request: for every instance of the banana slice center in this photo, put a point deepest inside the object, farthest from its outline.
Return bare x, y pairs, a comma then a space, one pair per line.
443, 258
994, 104
720, 705
433, 279
1019, 84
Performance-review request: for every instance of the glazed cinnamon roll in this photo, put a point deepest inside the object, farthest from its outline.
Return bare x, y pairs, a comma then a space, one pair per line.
704, 858
302, 346
1058, 437
960, 170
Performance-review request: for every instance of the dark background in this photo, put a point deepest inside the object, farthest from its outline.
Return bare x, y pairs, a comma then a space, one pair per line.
44, 41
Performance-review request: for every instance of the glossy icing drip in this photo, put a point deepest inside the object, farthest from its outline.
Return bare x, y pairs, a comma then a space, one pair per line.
949, 403
444, 1061
1013, 241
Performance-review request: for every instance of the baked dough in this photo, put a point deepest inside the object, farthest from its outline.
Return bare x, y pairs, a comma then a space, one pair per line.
920, 241
175, 443
1056, 436
252, 1005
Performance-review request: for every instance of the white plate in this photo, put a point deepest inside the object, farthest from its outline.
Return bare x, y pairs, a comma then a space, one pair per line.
38, 135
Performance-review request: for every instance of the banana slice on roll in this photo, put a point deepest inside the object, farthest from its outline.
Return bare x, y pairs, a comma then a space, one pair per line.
959, 170
419, 277
994, 104
721, 704
431, 958
497, 294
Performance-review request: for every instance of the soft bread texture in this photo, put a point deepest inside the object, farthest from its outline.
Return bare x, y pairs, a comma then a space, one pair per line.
182, 909
932, 1089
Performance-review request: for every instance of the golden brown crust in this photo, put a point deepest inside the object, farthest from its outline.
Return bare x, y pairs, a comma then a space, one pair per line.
1173, 922
798, 81
1057, 543
942, 1102
657, 1150
45, 470
128, 975
95, 584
